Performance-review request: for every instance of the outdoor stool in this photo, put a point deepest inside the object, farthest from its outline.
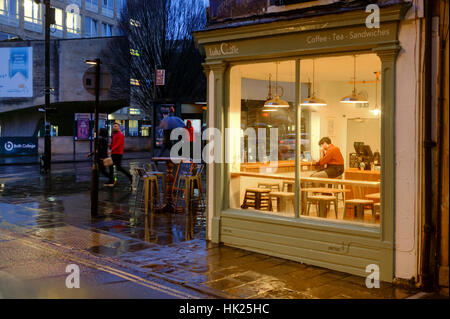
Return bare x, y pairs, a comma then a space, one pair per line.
323, 203
257, 198
142, 179
358, 206
151, 189
282, 198
186, 191
151, 169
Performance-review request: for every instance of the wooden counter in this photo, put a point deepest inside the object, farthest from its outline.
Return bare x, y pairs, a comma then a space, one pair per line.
280, 166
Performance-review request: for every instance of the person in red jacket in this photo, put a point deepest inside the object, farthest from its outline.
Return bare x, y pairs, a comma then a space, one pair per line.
117, 151
190, 130
330, 156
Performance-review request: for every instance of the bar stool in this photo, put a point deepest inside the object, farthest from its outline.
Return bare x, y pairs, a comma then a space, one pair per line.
152, 195
257, 198
185, 190
322, 202
152, 169
339, 186
358, 206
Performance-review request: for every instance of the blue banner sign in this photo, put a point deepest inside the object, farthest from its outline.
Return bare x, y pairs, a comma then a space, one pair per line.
18, 146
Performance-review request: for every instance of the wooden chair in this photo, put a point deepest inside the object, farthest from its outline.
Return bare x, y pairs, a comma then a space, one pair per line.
323, 203
153, 195
257, 198
358, 206
272, 186
288, 186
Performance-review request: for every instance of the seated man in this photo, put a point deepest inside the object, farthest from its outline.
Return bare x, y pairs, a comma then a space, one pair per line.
330, 156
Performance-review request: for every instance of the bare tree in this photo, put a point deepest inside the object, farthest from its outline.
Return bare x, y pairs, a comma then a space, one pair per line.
159, 34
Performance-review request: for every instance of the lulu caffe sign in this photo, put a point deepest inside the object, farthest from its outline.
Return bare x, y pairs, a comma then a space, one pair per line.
223, 49
18, 145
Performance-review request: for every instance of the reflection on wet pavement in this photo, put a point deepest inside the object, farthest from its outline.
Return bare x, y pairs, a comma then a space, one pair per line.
63, 198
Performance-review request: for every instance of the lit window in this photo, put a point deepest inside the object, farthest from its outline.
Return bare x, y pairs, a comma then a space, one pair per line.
32, 12
73, 22
9, 8
134, 111
58, 19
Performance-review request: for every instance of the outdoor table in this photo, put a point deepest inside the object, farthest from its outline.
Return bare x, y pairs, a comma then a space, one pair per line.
168, 205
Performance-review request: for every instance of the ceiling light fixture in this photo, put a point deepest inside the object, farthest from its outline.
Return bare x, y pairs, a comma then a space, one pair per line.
312, 99
276, 101
354, 97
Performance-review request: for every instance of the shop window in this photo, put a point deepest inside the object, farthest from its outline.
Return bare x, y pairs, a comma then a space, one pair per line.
338, 138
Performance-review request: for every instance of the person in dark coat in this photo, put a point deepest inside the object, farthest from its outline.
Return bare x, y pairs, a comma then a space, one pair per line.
102, 154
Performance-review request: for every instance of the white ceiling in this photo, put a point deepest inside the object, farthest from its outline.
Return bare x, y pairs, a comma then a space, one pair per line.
326, 69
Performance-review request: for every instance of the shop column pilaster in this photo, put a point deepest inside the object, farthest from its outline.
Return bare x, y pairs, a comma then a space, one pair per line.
388, 57
218, 70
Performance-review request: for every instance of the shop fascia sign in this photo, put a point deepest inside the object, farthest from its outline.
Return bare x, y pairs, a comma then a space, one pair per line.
223, 49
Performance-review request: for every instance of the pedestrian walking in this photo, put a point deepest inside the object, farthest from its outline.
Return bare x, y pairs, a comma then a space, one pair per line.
117, 144
191, 132
102, 154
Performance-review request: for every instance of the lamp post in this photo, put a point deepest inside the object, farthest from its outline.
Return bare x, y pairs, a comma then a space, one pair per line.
94, 185
49, 20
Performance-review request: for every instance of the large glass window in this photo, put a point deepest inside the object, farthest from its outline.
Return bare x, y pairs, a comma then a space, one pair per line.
336, 174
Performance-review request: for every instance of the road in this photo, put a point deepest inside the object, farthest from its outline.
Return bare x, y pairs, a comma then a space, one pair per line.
30, 268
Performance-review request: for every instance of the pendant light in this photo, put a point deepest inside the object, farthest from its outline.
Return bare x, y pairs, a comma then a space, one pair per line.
276, 101
312, 99
376, 110
354, 97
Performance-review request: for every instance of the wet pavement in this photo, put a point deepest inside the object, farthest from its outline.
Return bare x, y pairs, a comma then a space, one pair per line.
171, 247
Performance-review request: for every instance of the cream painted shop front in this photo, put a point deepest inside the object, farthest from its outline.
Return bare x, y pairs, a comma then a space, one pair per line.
310, 77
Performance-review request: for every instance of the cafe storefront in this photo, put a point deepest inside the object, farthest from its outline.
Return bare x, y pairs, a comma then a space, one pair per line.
298, 81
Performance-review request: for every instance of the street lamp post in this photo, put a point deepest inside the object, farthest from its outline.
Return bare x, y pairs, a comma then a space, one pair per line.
49, 20
94, 185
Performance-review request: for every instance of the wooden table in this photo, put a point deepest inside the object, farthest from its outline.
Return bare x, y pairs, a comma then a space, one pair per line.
373, 196
322, 190
282, 199
168, 205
